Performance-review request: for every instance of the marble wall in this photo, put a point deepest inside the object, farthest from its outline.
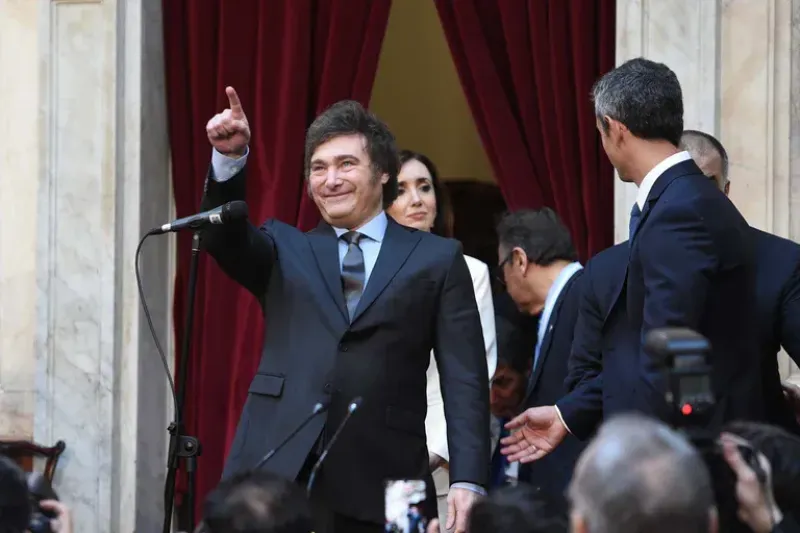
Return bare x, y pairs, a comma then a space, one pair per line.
84, 171
738, 62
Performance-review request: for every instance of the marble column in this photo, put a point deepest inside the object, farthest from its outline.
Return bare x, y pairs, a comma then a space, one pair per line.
85, 171
737, 61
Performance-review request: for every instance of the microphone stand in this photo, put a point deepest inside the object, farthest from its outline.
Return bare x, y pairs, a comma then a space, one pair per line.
183, 446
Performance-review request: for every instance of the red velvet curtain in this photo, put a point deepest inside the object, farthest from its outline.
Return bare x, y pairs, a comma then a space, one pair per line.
527, 68
288, 60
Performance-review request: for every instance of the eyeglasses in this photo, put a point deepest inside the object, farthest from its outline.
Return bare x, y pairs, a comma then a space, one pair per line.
498, 272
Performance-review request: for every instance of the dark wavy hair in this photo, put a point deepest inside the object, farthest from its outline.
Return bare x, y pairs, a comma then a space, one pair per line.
443, 223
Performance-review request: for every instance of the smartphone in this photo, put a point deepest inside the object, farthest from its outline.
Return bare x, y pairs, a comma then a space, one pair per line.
406, 504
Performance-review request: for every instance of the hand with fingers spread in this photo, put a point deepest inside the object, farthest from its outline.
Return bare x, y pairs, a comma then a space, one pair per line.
536, 432
229, 132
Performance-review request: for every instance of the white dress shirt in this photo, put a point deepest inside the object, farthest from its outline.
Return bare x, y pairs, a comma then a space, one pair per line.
651, 177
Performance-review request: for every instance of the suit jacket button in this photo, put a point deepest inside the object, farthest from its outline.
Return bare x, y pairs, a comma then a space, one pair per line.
328, 387
342, 347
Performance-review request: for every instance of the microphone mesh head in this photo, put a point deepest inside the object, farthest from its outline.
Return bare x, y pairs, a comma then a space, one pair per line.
234, 211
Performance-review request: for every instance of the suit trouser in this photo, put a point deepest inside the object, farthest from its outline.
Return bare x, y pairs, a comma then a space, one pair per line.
326, 520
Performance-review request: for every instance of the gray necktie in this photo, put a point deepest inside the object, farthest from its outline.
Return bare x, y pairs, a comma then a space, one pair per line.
633, 225
353, 273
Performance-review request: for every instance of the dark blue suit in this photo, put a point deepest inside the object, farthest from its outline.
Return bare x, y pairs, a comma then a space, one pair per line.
593, 352
778, 306
692, 264
552, 474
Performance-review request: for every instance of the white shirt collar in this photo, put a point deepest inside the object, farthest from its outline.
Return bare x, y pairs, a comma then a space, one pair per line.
651, 177
375, 229
552, 295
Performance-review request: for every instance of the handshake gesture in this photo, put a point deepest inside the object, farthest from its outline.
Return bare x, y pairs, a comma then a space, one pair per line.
229, 132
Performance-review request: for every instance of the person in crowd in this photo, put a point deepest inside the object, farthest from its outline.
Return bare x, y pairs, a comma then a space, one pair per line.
640, 476
777, 286
16, 511
542, 275
422, 203
515, 510
772, 503
257, 501
354, 309
691, 259
507, 392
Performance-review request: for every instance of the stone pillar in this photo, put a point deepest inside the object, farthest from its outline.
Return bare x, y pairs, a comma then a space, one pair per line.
85, 171
740, 83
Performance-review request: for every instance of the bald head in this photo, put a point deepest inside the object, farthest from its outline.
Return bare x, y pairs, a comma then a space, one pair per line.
709, 154
639, 476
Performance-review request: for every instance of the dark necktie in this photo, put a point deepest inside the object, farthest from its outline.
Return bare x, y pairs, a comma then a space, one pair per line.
636, 215
353, 273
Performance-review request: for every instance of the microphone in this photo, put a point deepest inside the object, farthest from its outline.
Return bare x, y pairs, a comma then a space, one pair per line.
350, 410
230, 212
318, 408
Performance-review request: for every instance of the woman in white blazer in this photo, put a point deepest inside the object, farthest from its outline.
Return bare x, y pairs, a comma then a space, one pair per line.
422, 203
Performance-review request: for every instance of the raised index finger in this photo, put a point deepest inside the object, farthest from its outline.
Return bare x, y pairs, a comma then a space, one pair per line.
234, 103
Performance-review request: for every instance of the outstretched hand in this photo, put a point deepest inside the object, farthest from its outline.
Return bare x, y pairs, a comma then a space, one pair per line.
229, 132
537, 432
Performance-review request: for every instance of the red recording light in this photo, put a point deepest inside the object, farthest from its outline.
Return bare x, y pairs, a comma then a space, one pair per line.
686, 409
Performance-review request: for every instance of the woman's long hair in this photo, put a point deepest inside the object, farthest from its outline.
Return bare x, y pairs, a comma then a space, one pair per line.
443, 223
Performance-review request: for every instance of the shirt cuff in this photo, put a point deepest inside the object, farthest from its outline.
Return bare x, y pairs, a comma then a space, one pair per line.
558, 412
224, 167
469, 486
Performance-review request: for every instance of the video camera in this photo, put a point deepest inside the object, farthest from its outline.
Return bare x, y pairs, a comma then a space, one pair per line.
39, 489
683, 356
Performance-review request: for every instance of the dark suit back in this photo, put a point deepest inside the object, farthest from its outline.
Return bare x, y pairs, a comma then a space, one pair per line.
778, 306
552, 473
601, 378
419, 297
692, 265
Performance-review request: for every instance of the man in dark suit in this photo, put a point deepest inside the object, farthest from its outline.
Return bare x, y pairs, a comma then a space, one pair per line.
543, 276
354, 309
691, 261
777, 285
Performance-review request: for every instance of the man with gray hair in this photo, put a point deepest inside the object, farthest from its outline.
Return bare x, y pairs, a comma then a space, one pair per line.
777, 286
640, 476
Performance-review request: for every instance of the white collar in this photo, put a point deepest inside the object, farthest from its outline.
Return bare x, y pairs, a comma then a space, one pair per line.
375, 229
651, 177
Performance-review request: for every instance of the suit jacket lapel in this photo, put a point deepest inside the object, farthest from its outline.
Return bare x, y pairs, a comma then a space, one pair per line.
397, 245
547, 340
325, 246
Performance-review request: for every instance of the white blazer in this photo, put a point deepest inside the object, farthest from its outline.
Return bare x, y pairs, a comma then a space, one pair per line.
435, 424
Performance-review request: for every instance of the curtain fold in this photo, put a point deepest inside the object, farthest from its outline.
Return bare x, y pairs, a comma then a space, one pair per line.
527, 68
288, 60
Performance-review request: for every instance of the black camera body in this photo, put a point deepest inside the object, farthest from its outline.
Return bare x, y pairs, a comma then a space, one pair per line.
683, 355
39, 489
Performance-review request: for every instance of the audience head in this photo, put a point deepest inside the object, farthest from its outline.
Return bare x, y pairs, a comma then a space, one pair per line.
710, 156
422, 202
639, 112
256, 502
15, 506
351, 164
640, 476
513, 360
534, 245
513, 509
782, 451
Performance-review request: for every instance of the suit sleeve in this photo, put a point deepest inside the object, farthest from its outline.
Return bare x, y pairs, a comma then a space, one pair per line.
678, 259
461, 360
243, 252
582, 408
790, 316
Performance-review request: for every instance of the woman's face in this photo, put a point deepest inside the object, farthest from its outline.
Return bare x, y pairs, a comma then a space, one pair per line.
415, 205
